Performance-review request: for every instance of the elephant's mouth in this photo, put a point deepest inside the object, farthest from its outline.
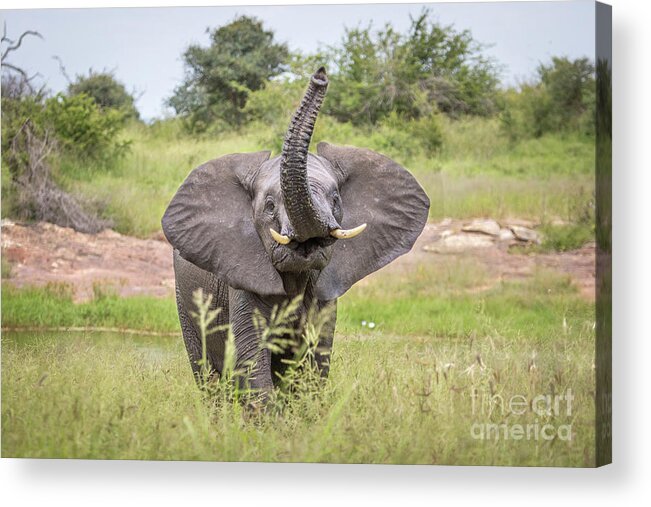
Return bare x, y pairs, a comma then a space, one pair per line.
295, 256
307, 248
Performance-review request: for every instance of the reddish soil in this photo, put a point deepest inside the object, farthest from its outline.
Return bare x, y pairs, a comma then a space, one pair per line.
45, 253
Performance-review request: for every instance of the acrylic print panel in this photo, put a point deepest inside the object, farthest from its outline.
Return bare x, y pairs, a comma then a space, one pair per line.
379, 240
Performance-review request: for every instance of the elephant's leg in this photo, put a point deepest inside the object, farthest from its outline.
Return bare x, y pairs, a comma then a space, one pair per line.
326, 337
253, 362
191, 336
189, 278
279, 361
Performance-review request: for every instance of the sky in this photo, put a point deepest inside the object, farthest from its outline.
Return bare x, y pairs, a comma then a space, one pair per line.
143, 46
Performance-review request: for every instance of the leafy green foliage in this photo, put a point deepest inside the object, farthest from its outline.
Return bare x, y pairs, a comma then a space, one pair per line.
562, 99
106, 91
430, 68
83, 129
275, 103
241, 58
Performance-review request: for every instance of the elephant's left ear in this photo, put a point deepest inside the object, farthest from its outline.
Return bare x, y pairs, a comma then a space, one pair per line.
381, 193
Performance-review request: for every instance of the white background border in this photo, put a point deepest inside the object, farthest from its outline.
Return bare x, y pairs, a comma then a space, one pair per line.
627, 481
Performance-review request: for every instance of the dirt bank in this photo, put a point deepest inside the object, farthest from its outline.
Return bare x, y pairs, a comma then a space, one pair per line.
45, 253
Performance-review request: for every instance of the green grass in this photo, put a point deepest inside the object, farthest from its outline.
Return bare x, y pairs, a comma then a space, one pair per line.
562, 238
52, 306
389, 400
528, 310
399, 393
444, 334
477, 173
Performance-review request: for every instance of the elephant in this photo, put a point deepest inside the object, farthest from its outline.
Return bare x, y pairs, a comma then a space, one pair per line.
255, 232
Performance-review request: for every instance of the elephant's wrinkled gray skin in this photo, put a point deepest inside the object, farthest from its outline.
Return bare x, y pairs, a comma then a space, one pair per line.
221, 219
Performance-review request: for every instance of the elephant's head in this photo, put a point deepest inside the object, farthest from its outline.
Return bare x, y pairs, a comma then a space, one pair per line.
344, 212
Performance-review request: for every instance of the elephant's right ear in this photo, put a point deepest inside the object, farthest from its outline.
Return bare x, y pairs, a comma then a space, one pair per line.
210, 222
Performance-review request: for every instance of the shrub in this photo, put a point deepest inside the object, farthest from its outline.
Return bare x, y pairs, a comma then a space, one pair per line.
241, 58
275, 103
561, 99
83, 129
106, 91
431, 67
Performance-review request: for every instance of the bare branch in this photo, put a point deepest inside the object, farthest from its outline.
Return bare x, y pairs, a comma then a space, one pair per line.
27, 78
62, 68
13, 46
17, 69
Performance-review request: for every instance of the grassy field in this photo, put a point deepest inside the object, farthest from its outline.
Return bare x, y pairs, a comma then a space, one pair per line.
432, 381
478, 172
441, 366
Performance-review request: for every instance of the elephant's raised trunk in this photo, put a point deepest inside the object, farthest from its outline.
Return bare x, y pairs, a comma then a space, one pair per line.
303, 214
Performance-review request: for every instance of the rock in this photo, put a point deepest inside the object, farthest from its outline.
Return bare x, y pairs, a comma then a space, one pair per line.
525, 234
521, 222
458, 243
484, 226
506, 235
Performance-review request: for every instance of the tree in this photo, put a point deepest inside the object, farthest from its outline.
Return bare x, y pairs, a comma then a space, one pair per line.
106, 91
451, 67
570, 87
560, 99
241, 58
431, 67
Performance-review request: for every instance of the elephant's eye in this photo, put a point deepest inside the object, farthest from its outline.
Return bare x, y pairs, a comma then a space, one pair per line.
336, 202
269, 206
336, 206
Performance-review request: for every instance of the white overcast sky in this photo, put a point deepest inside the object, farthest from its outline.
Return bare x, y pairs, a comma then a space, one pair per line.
144, 45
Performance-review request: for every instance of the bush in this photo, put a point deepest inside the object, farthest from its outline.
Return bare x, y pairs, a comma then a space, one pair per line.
83, 129
106, 91
404, 138
430, 68
275, 103
561, 99
241, 58
62, 131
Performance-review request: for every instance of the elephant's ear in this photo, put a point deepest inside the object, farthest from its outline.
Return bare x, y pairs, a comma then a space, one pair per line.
210, 222
379, 192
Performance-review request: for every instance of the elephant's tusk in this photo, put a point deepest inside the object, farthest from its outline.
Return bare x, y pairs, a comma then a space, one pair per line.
283, 240
347, 233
